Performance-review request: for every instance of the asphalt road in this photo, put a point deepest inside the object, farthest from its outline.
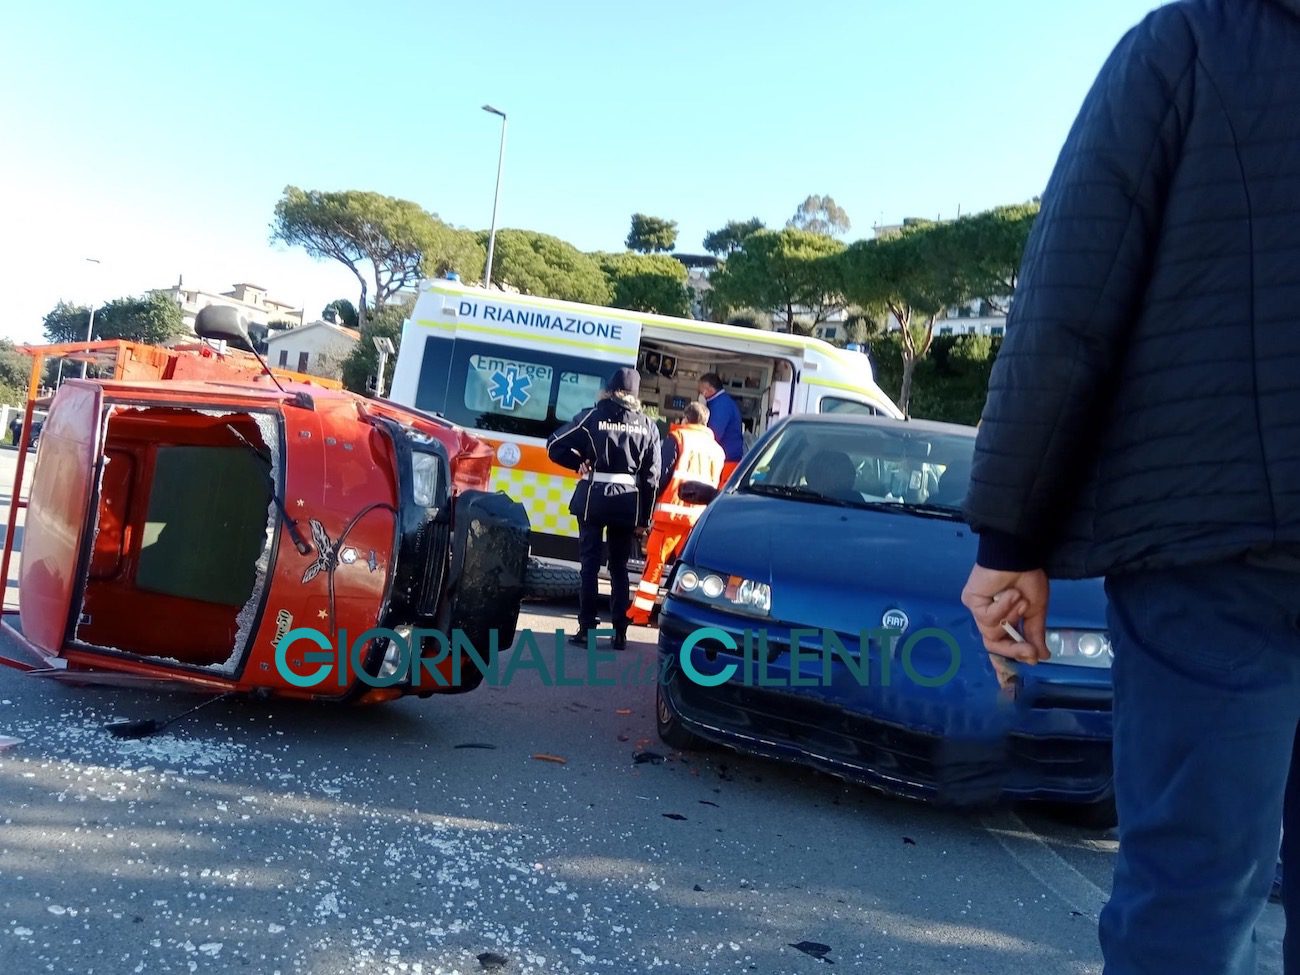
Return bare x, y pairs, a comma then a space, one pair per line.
419, 836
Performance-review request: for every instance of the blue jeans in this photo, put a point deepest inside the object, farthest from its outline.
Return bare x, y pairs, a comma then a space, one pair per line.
1207, 705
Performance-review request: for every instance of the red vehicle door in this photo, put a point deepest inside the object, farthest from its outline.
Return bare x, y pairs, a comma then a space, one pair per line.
53, 537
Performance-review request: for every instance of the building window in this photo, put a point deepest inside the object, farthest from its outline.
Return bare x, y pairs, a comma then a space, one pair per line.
997, 330
945, 330
284, 358
302, 361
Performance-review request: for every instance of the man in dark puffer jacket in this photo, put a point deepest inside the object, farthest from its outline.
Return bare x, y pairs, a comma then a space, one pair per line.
1143, 424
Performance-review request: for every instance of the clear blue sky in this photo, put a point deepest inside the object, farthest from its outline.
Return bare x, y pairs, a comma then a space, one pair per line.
157, 137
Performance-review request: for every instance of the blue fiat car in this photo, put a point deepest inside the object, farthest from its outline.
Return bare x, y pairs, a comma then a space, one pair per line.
814, 616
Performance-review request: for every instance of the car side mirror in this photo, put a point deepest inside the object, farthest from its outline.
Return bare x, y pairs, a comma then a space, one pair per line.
697, 492
221, 322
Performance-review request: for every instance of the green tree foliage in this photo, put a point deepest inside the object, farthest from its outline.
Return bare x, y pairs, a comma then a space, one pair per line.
457, 250
749, 318
15, 370
66, 323
925, 268
862, 325
154, 319
913, 274
988, 248
542, 265
790, 274
360, 365
343, 312
950, 384
651, 235
654, 283
385, 242
820, 215
728, 239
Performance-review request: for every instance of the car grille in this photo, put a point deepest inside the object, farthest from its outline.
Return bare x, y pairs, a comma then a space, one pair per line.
898, 759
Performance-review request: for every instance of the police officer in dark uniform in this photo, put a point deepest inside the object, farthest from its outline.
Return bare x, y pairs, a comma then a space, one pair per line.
614, 447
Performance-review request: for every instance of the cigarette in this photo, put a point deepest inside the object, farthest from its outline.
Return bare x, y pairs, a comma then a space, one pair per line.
1012, 632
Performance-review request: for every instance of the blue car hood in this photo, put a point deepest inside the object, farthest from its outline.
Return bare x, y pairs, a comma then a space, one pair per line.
842, 568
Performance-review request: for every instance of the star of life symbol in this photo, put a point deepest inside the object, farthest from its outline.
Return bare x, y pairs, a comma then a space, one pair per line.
509, 389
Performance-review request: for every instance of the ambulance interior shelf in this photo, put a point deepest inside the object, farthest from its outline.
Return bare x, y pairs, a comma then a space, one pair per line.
670, 377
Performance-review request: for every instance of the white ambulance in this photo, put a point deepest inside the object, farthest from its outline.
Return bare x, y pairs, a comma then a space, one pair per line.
514, 368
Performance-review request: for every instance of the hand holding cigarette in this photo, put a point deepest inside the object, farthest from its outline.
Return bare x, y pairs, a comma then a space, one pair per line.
1010, 612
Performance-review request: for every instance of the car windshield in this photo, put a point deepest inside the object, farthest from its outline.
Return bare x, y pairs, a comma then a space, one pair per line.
865, 466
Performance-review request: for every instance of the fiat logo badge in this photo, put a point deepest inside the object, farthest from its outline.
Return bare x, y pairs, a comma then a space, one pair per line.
894, 619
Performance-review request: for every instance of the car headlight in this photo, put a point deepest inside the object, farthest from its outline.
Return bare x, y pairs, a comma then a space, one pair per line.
734, 592
1082, 648
393, 654
424, 477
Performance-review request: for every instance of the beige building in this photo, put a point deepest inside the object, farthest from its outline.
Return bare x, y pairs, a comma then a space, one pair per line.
318, 348
250, 299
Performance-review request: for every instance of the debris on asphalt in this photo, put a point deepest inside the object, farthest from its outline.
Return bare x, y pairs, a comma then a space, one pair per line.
359, 848
7, 743
623, 711
908, 841
815, 949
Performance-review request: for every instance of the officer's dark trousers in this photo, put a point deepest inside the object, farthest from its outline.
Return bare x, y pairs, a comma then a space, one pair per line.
1207, 701
594, 538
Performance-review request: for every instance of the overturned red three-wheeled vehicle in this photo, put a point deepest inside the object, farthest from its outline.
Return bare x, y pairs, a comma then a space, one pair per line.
177, 529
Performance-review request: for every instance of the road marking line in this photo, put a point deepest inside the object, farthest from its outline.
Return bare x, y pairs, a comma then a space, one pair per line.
1044, 864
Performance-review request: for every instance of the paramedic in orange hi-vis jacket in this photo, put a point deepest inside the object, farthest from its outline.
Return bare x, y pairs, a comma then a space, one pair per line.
690, 452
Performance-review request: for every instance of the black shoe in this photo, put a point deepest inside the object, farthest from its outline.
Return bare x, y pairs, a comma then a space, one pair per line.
579, 639
619, 640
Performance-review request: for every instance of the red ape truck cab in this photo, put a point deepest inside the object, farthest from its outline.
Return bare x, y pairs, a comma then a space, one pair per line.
177, 531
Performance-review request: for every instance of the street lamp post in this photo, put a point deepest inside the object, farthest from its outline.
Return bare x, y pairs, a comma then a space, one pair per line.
492, 234
383, 346
90, 326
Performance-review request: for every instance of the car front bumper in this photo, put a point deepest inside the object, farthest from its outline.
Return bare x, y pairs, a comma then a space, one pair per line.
962, 743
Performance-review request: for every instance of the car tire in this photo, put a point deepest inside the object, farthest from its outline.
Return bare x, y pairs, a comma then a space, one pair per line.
1096, 815
548, 582
669, 726
1086, 815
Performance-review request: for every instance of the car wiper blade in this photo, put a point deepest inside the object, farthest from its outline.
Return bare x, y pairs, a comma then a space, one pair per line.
933, 510
790, 491
301, 544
